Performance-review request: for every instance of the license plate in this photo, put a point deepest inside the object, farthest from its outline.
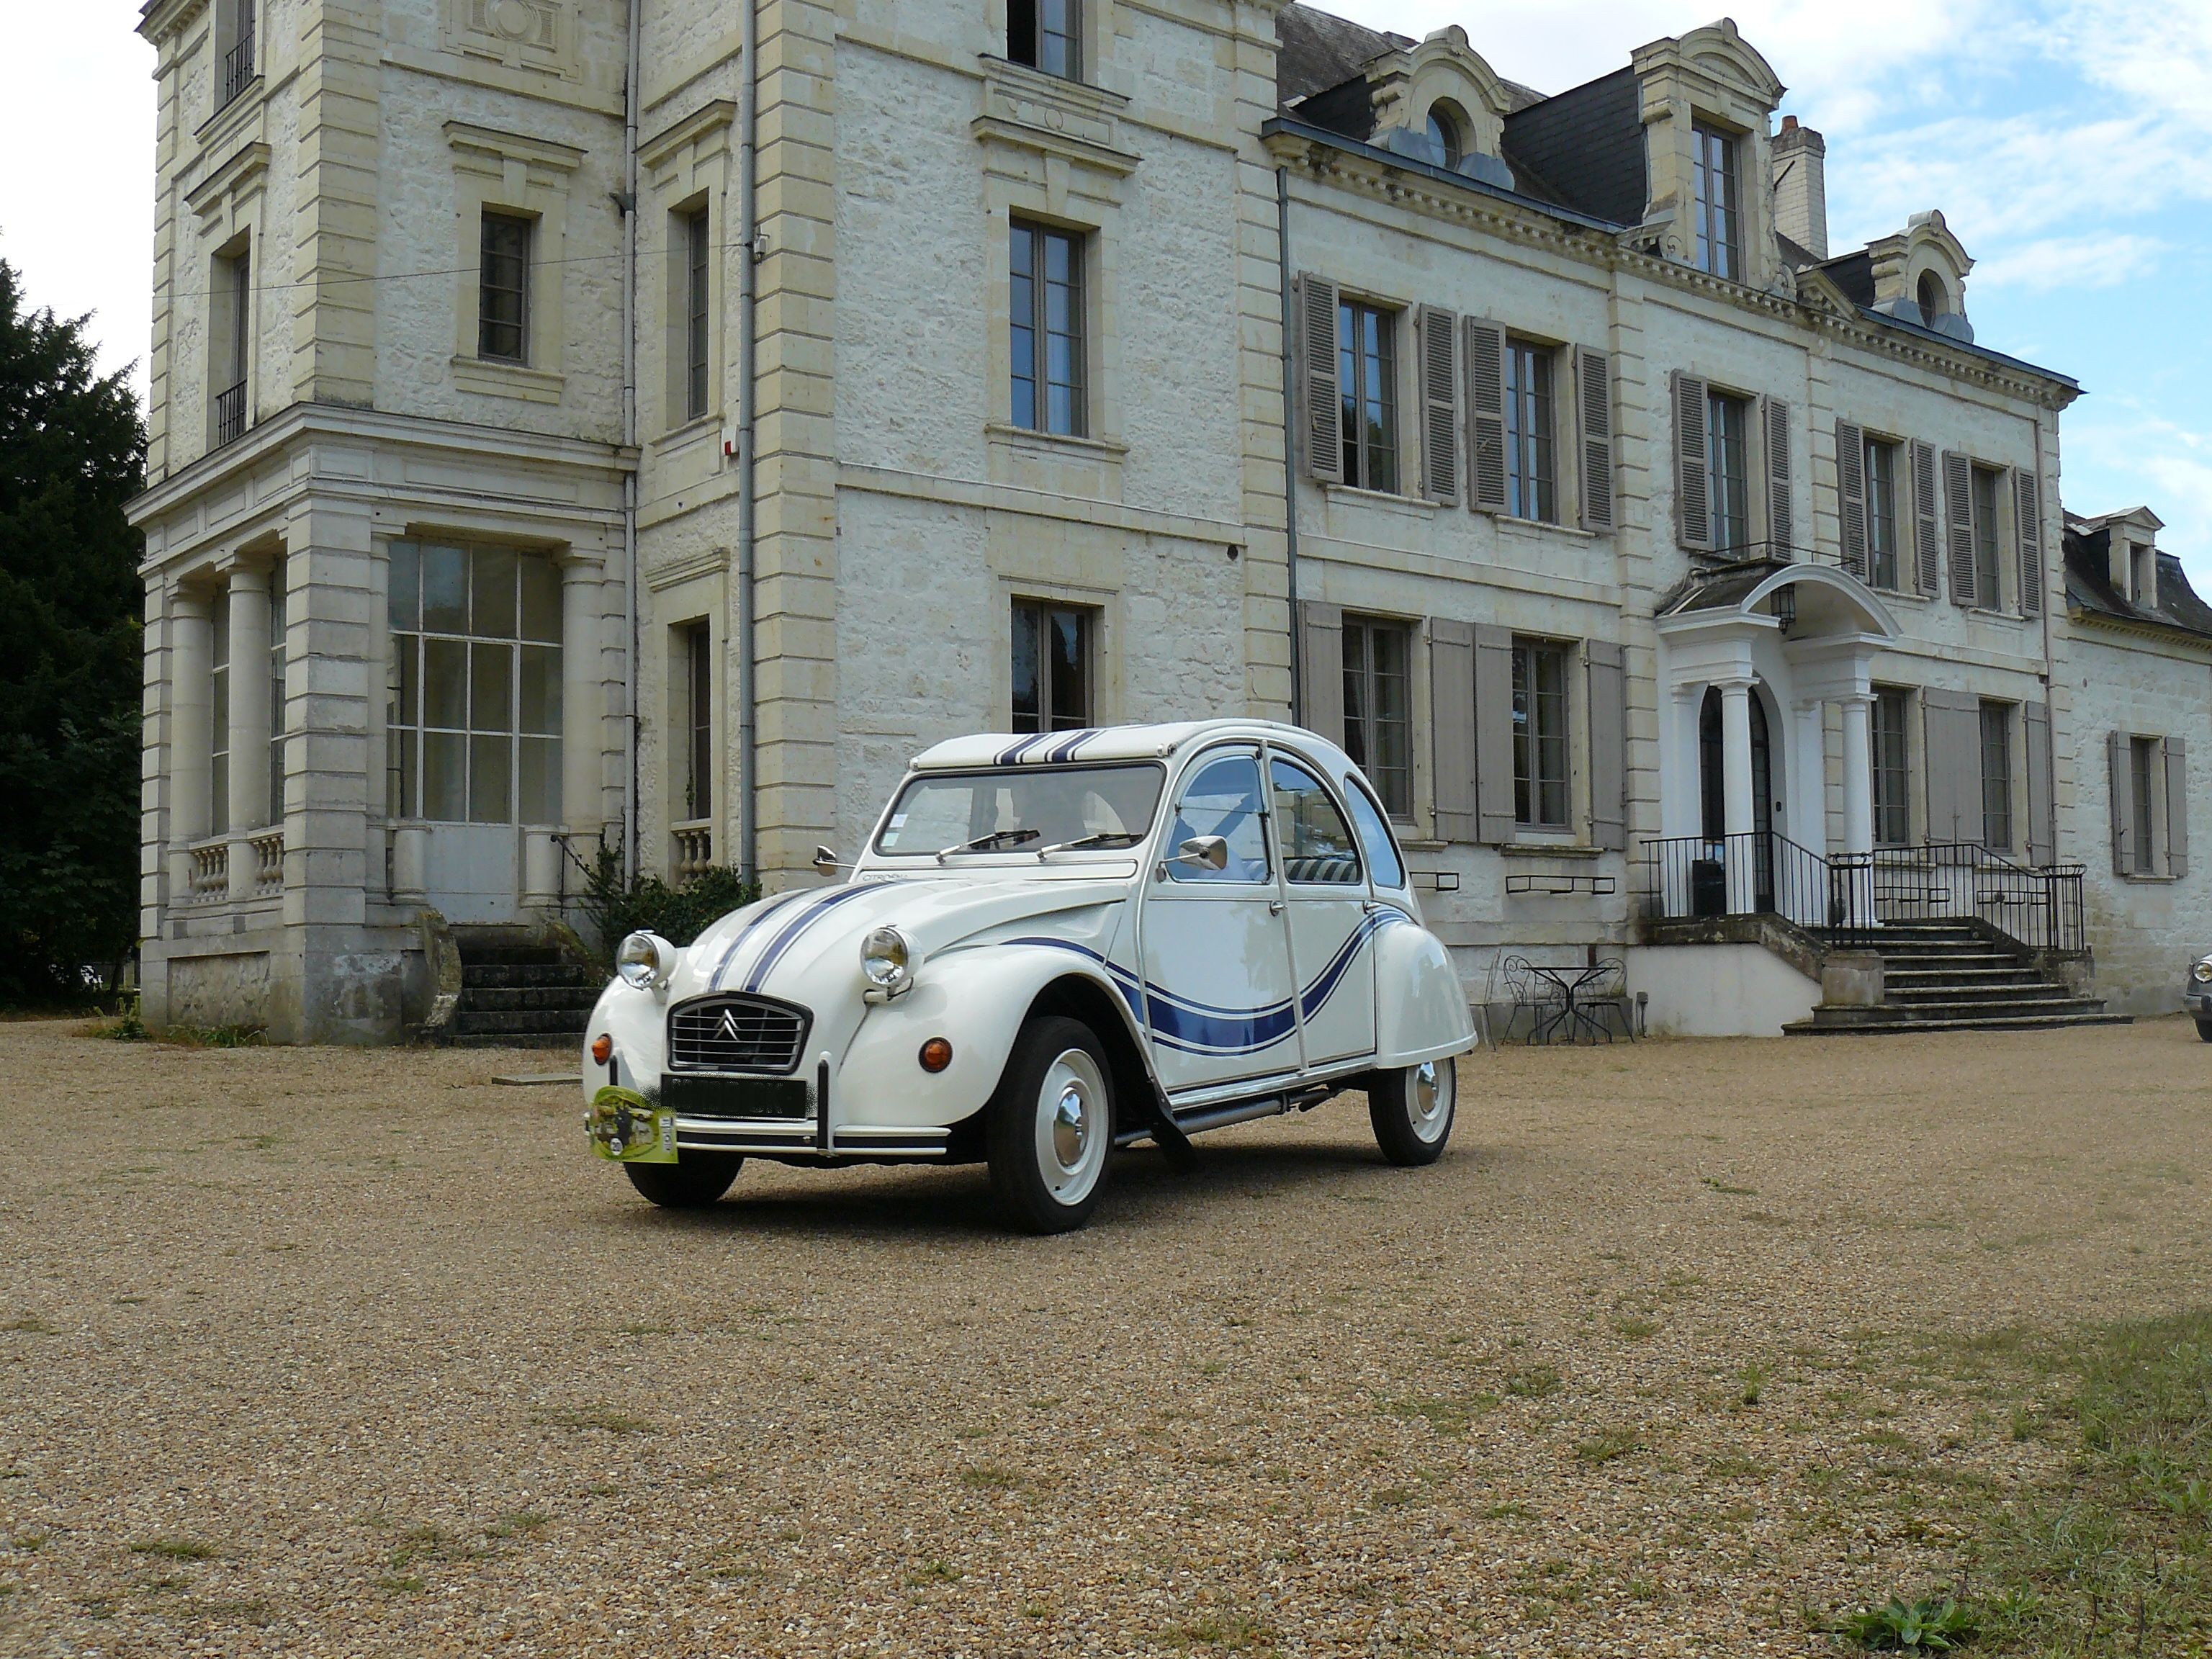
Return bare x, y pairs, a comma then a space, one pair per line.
737, 1096
627, 1128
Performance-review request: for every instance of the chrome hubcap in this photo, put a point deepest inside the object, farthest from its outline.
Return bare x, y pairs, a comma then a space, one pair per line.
1429, 1092
1072, 1138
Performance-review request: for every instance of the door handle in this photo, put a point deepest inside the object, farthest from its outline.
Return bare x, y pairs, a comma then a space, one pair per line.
1274, 907
1369, 908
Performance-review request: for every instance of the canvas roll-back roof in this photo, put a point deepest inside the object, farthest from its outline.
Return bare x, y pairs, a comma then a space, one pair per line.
1108, 743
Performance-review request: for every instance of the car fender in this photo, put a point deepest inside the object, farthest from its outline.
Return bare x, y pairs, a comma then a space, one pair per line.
638, 1023
1421, 1011
976, 999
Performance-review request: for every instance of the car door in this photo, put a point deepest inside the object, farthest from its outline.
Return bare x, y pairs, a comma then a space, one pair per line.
1218, 993
1331, 916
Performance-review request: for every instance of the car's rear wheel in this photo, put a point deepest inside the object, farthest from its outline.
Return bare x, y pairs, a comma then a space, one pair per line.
2204, 1029
1411, 1108
698, 1180
1050, 1130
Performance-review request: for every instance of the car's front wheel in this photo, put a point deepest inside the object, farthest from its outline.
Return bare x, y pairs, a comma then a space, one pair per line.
2204, 1029
1411, 1108
1049, 1129
698, 1180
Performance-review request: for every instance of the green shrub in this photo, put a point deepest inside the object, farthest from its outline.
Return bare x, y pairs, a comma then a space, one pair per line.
615, 906
1930, 1624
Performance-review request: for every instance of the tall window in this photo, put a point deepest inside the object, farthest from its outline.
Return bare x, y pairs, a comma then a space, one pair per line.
1988, 570
1893, 778
235, 41
1540, 735
1531, 490
697, 313
1996, 776
473, 721
2142, 773
1052, 666
230, 339
698, 721
1713, 176
1728, 472
276, 643
1045, 35
504, 290
219, 720
1881, 512
1047, 316
1378, 701
1367, 377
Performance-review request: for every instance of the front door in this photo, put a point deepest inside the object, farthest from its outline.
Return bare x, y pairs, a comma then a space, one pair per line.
1331, 918
1216, 963
1713, 793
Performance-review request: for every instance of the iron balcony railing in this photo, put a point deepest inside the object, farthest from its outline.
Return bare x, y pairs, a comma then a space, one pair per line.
237, 66
230, 414
1762, 873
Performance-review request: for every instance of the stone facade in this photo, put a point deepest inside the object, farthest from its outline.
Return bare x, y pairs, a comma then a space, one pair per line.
1219, 168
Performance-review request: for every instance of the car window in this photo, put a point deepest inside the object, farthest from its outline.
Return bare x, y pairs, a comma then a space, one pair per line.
1316, 842
1375, 836
1030, 807
1223, 798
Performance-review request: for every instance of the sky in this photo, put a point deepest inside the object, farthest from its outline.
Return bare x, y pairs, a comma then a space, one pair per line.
2069, 143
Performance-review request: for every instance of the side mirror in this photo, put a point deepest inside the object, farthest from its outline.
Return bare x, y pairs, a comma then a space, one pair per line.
1210, 851
825, 862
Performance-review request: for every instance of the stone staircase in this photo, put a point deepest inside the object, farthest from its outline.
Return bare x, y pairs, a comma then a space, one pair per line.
1950, 976
521, 990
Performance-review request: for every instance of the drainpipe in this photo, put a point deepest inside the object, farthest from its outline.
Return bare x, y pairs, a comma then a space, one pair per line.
630, 440
748, 294
1290, 442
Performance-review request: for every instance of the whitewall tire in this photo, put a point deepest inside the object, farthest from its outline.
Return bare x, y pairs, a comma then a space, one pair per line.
1049, 1129
1411, 1108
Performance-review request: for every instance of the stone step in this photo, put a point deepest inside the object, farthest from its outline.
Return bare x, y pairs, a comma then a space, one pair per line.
1817, 1027
509, 976
484, 999
512, 956
555, 1041
521, 1022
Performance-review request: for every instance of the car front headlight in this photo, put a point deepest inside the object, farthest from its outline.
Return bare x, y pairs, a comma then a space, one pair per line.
887, 960
646, 961
2202, 973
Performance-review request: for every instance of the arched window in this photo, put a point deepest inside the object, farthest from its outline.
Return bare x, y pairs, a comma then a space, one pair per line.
1934, 300
1446, 131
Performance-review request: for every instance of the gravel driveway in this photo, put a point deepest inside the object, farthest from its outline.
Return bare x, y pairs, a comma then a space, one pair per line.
325, 1352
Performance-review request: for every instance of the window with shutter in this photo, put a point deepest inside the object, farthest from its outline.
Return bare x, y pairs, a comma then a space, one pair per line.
1494, 734
1320, 668
2119, 773
1781, 517
2027, 516
1958, 507
1850, 488
1531, 471
1319, 398
2042, 821
1608, 740
1594, 406
1693, 515
1439, 354
1927, 533
1485, 416
1451, 726
2176, 807
1879, 473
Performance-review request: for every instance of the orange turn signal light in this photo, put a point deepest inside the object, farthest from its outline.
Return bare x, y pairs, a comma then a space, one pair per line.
936, 1054
603, 1047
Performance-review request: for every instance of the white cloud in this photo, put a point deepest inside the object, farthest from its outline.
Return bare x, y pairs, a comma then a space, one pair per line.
2122, 454
2069, 262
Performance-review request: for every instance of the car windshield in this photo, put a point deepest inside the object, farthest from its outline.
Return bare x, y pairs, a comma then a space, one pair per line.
1027, 808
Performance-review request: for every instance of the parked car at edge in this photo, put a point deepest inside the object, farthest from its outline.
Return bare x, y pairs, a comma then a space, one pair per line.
1053, 946
2196, 995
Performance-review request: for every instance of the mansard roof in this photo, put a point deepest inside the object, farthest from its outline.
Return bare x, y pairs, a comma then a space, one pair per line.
1322, 52
2089, 586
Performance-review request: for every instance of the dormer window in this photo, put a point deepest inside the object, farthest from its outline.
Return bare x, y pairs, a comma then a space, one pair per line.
1934, 303
1043, 34
2145, 574
1445, 135
1718, 213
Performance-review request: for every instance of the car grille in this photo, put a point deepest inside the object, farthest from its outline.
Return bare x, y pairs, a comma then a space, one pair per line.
736, 1034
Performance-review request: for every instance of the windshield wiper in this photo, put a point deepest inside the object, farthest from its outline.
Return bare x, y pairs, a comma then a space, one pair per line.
1103, 838
992, 843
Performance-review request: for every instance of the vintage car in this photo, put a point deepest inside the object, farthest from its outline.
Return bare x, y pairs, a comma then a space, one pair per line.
1053, 946
2196, 995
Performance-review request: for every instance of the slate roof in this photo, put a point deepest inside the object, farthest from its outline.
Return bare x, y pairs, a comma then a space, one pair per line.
1586, 144
2089, 588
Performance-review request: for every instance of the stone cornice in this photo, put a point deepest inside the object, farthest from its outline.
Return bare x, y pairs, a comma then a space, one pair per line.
2168, 633
159, 19
247, 163
513, 146
659, 149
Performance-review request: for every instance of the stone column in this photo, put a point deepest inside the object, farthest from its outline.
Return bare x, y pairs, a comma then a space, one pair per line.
1738, 808
1680, 801
583, 701
249, 720
1858, 804
191, 632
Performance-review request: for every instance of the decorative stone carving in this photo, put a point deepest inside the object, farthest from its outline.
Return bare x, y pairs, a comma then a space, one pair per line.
529, 34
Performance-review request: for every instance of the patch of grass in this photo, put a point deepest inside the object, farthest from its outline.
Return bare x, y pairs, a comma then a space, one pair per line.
1449, 1416
125, 1027
176, 1549
1932, 1623
1720, 1185
589, 1417
1231, 1632
30, 1325
991, 1477
31, 1542
214, 1037
1731, 1466
1608, 1445
520, 1522
1634, 1328
1750, 1383
933, 1573
398, 1584
1536, 1382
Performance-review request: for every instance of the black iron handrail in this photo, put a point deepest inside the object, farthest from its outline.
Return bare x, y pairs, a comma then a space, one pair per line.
237, 66
1761, 873
230, 414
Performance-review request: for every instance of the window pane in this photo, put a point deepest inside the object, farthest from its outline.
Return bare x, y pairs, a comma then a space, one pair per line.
405, 581
1021, 32
1316, 842
1223, 800
491, 688
491, 599
491, 766
1892, 806
539, 763
503, 293
1996, 776
400, 798
1028, 705
1881, 513
1067, 635
445, 590
1551, 724
541, 600
445, 774
444, 684
541, 690
1375, 836
1529, 464
1021, 310
1727, 476
1056, 52
695, 229
1393, 768
1063, 322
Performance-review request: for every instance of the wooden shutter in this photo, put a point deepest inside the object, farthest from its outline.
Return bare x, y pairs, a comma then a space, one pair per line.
1493, 735
1320, 668
1781, 518
1438, 334
1693, 509
1485, 416
2176, 806
2118, 756
1451, 724
1319, 398
2042, 798
2027, 515
1608, 736
1851, 490
1927, 531
1959, 503
1594, 401
1953, 732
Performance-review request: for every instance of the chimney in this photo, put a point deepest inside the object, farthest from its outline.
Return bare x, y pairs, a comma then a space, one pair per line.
1800, 186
